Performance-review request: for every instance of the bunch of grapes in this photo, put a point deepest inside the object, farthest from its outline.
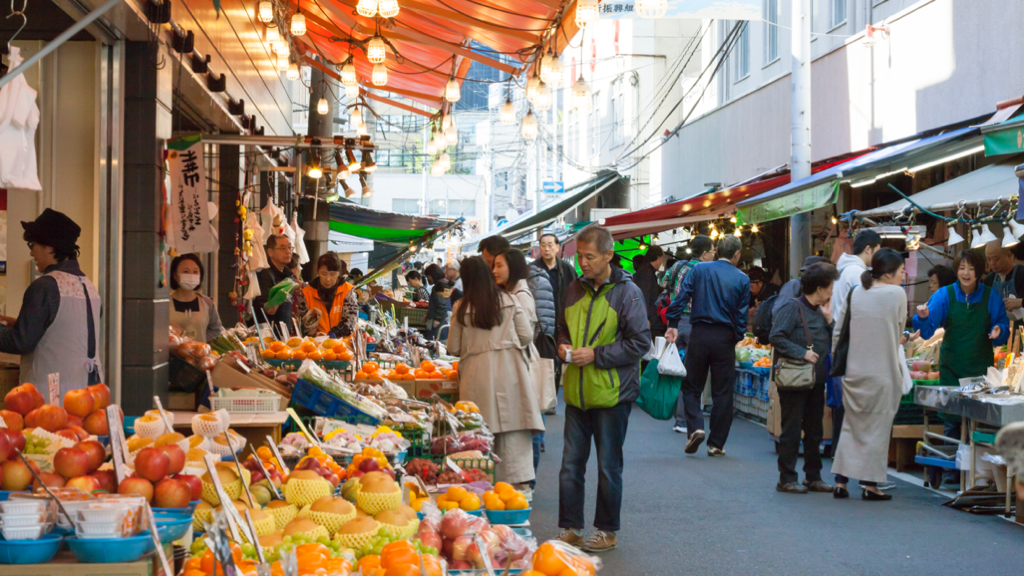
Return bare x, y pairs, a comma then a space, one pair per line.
423, 549
34, 445
376, 544
198, 547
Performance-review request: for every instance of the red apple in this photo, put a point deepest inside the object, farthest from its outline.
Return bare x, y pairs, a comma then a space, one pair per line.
50, 418
152, 464
17, 476
96, 423
176, 457
82, 434
70, 462
101, 394
194, 483
5, 447
49, 479
74, 421
95, 451
139, 486
68, 433
107, 480
13, 420
23, 399
84, 483
171, 493
17, 442
81, 402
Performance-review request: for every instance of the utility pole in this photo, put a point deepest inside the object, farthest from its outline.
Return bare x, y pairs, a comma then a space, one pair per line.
800, 158
316, 222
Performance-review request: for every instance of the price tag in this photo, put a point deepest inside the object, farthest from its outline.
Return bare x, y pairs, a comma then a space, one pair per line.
302, 427
53, 383
454, 468
156, 540
280, 460
405, 325
234, 520
118, 444
209, 382
163, 414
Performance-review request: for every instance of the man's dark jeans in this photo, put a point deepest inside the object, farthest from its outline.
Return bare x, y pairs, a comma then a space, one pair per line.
607, 426
712, 349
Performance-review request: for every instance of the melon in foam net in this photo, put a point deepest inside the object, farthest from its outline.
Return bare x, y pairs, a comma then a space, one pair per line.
229, 480
356, 533
377, 493
331, 513
305, 487
283, 512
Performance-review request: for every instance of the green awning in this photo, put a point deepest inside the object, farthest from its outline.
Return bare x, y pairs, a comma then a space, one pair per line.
388, 227
570, 200
805, 200
1005, 138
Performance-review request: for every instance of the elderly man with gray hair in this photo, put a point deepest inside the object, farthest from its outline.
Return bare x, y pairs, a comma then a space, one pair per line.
718, 296
451, 272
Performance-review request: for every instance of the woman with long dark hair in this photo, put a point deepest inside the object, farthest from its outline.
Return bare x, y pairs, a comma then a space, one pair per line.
873, 383
491, 333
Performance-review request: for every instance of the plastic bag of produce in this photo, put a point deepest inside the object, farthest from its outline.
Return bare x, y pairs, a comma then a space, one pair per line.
670, 363
658, 392
555, 557
280, 292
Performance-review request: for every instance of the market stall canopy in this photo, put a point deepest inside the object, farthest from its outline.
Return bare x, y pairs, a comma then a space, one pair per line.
1004, 138
708, 205
821, 189
983, 186
387, 227
346, 243
572, 198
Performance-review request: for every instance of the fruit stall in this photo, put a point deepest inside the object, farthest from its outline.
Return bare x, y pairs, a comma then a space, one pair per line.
753, 370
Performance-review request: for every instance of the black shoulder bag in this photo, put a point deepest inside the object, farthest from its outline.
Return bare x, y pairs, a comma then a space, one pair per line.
843, 346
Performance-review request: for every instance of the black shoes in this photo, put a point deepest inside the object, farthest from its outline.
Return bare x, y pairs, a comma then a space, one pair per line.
694, 442
791, 488
869, 495
818, 486
840, 493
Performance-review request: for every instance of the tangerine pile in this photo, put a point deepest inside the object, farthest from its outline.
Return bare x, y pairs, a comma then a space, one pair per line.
458, 497
550, 561
399, 559
504, 497
307, 349
369, 371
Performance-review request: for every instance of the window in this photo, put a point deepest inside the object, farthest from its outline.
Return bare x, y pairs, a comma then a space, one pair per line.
838, 13
383, 156
742, 54
618, 112
501, 179
405, 205
771, 17
454, 207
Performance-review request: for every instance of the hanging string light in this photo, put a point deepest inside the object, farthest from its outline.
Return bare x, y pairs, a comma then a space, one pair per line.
581, 99
532, 86
322, 107
451, 136
754, 229
651, 8
282, 62
446, 161
281, 48
367, 8
298, 25
388, 8
587, 11
439, 142
551, 69
436, 168
352, 92
452, 92
293, 71
432, 146
348, 74
380, 75
530, 130
376, 50
542, 101
355, 117
508, 113
738, 232
273, 37
266, 11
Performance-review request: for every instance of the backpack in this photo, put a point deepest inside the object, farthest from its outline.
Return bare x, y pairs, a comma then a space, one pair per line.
762, 327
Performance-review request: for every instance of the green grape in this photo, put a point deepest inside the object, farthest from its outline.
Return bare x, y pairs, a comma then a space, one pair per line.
323, 540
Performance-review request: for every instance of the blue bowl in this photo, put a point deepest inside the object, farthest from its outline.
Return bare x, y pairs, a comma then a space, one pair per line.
171, 530
110, 550
187, 510
29, 551
371, 346
6, 494
508, 516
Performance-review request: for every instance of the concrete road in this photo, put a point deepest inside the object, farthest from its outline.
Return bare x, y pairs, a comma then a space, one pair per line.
694, 515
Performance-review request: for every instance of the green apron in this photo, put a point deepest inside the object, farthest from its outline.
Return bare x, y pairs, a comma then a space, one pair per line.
966, 349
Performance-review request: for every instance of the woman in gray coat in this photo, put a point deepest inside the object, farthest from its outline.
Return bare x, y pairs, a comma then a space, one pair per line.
802, 410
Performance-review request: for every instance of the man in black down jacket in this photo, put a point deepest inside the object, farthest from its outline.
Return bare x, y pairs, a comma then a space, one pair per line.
561, 274
646, 278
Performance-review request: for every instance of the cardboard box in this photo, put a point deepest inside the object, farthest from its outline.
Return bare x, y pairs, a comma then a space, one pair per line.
65, 564
774, 419
424, 389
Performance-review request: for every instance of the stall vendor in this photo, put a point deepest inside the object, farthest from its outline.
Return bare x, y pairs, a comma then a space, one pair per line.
56, 331
974, 317
1006, 278
193, 313
279, 252
334, 301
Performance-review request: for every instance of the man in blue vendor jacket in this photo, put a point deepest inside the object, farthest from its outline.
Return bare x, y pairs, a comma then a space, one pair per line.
718, 296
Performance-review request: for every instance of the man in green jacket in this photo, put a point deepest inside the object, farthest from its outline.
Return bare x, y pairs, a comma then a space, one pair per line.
602, 334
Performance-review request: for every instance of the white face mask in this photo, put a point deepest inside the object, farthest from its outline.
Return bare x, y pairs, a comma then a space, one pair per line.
188, 281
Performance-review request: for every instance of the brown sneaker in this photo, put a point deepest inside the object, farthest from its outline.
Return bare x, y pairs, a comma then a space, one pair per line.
570, 537
601, 541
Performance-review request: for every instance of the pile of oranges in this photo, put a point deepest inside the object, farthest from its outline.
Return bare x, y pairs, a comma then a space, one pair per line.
399, 559
402, 371
302, 349
505, 497
458, 497
763, 362
551, 561
314, 558
369, 371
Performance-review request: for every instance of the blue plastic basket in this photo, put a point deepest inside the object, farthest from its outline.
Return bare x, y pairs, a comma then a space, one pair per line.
508, 516
171, 530
109, 550
30, 551
187, 511
325, 404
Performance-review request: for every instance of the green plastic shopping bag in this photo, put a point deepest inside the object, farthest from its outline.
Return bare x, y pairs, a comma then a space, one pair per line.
658, 393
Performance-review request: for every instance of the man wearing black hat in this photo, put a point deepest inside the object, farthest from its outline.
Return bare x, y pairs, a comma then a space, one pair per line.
56, 330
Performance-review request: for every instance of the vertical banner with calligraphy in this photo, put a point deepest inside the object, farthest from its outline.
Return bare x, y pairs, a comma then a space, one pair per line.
190, 229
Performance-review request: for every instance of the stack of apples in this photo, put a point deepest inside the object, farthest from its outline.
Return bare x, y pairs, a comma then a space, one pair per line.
82, 414
158, 476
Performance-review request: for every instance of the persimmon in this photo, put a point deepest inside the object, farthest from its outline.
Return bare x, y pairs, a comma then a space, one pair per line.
307, 347
298, 355
427, 365
315, 355
409, 377
550, 561
284, 354
330, 356
360, 375
401, 368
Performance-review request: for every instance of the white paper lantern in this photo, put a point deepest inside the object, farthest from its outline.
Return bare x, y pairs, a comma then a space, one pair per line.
293, 71
298, 26
380, 75
581, 98
530, 130
587, 11
266, 11
367, 8
452, 92
376, 50
508, 113
388, 8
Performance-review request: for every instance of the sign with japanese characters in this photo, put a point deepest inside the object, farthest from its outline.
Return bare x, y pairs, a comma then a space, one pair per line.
190, 229
696, 9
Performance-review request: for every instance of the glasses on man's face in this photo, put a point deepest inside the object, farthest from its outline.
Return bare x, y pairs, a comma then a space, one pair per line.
284, 248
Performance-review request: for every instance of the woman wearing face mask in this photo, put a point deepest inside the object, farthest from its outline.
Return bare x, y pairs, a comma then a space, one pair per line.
333, 299
195, 314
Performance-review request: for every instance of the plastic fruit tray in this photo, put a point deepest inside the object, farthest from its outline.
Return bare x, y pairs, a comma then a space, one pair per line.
508, 516
109, 550
30, 551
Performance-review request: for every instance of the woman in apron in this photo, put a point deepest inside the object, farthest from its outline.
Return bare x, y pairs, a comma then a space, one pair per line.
191, 312
57, 329
974, 318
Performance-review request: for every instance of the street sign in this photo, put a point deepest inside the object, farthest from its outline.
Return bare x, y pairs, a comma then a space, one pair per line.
554, 187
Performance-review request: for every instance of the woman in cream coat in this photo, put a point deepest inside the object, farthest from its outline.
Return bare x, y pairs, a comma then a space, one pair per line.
491, 332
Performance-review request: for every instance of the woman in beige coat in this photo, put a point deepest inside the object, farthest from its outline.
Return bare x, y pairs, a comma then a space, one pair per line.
490, 332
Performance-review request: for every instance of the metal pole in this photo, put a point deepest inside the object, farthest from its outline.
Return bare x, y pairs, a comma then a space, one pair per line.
800, 161
88, 19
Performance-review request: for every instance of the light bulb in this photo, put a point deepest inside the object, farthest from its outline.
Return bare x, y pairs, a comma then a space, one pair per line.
322, 107
388, 8
314, 172
273, 37
446, 161
446, 121
737, 233
281, 48
298, 26
834, 220
349, 192
355, 117
361, 130
352, 92
532, 85
376, 50
380, 75
733, 219
581, 99
293, 71
367, 8
436, 169
529, 129
451, 136
348, 74
282, 63
266, 11
552, 70
754, 229
431, 147
350, 157
651, 8
507, 115
542, 102
452, 92
587, 11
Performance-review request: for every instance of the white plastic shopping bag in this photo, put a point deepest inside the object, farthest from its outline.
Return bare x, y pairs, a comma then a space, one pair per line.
908, 384
656, 347
669, 362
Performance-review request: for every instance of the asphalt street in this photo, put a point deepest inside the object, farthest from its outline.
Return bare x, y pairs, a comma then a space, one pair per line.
696, 515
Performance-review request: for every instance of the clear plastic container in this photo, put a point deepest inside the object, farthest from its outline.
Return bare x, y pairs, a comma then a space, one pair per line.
97, 529
103, 513
23, 506
22, 519
29, 532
